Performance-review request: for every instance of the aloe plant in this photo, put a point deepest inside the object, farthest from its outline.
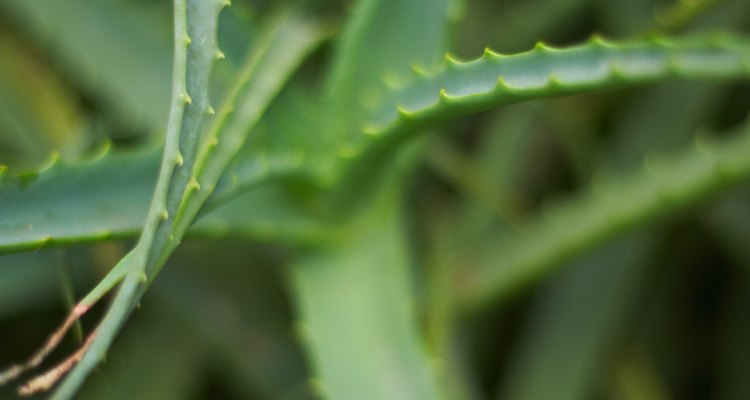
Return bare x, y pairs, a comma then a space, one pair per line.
294, 137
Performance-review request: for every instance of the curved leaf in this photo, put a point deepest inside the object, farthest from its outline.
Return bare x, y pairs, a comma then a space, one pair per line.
663, 186
355, 298
461, 88
195, 51
195, 175
108, 194
353, 293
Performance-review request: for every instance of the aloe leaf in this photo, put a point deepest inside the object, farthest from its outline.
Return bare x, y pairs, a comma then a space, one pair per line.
278, 55
661, 187
358, 69
179, 195
369, 268
357, 314
107, 196
195, 51
461, 88
108, 193
664, 55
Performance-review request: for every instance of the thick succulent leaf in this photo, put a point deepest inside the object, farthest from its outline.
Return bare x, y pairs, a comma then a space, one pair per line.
661, 187
370, 269
31, 221
195, 51
192, 165
635, 62
460, 88
358, 318
106, 196
368, 52
286, 44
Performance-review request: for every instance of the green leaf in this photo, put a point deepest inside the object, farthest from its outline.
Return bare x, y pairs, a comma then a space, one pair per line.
358, 316
630, 63
354, 293
367, 53
195, 52
287, 43
187, 179
664, 185
108, 194
460, 88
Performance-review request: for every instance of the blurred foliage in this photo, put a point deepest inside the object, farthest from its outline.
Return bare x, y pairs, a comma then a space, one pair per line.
586, 246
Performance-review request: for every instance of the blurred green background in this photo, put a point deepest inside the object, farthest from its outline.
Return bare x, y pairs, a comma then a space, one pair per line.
661, 312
